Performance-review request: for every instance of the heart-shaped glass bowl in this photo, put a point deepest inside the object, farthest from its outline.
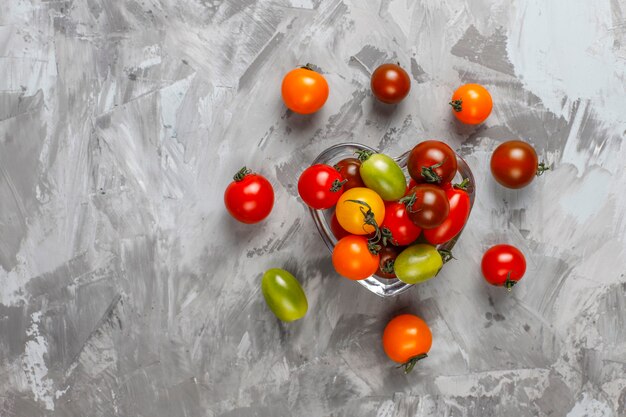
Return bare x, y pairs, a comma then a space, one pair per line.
379, 286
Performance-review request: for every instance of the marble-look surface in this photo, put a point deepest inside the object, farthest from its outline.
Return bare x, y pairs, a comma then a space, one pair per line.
126, 289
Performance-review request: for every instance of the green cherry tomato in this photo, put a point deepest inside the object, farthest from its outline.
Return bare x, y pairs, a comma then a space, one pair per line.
418, 263
284, 295
383, 175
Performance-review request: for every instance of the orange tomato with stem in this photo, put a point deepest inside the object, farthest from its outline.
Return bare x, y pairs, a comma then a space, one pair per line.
471, 104
360, 211
304, 90
407, 340
352, 258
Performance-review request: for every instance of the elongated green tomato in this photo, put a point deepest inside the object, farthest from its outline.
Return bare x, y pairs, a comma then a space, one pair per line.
383, 175
284, 295
418, 263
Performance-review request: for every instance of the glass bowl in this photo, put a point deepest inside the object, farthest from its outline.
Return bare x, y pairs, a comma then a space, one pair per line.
322, 218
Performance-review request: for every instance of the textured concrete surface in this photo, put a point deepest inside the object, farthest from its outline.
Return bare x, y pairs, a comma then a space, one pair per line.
126, 290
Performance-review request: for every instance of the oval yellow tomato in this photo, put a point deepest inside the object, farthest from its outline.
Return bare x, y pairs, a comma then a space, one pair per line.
358, 208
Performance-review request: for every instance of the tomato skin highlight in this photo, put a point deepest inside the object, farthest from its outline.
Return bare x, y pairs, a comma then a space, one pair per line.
284, 295
349, 169
249, 198
471, 104
403, 230
383, 175
459, 202
418, 263
503, 265
352, 258
514, 164
304, 91
320, 186
390, 83
406, 337
349, 214
432, 153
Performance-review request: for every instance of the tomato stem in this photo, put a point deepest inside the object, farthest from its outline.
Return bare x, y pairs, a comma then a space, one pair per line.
387, 267
363, 154
307, 66
457, 105
542, 168
240, 175
429, 173
410, 364
409, 201
369, 219
446, 255
509, 283
336, 186
463, 185
387, 236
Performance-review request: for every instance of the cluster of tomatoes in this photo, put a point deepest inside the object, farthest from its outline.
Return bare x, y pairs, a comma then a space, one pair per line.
378, 219
385, 226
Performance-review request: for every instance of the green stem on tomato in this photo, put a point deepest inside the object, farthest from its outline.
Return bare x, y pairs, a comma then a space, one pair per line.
429, 173
240, 175
509, 283
457, 105
446, 255
387, 267
463, 184
542, 168
369, 219
363, 154
336, 186
410, 364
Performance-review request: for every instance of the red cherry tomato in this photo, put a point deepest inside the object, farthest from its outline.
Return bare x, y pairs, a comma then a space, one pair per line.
388, 255
432, 161
250, 197
459, 212
320, 186
349, 169
503, 265
336, 228
403, 230
427, 205
514, 164
390, 83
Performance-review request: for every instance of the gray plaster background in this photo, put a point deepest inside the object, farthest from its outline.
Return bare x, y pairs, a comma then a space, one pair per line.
126, 289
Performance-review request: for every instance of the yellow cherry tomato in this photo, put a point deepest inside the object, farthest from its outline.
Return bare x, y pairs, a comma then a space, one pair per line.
358, 209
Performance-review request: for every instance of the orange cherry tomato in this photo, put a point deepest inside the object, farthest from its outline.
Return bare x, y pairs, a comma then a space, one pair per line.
406, 340
471, 104
352, 258
353, 207
304, 91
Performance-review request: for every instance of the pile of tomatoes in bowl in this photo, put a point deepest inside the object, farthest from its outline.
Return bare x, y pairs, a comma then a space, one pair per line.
388, 220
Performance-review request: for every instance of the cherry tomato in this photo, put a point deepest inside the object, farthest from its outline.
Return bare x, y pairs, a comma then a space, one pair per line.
514, 164
383, 175
390, 83
388, 255
397, 221
432, 161
304, 91
250, 197
427, 205
284, 295
471, 104
320, 186
503, 265
336, 228
406, 340
418, 263
459, 212
360, 210
352, 258
349, 170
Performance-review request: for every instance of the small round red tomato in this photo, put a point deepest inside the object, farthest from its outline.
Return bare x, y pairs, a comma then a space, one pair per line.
427, 205
432, 161
403, 230
459, 212
406, 340
471, 104
352, 258
349, 170
503, 265
250, 197
514, 164
336, 228
304, 90
390, 83
320, 186
388, 255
